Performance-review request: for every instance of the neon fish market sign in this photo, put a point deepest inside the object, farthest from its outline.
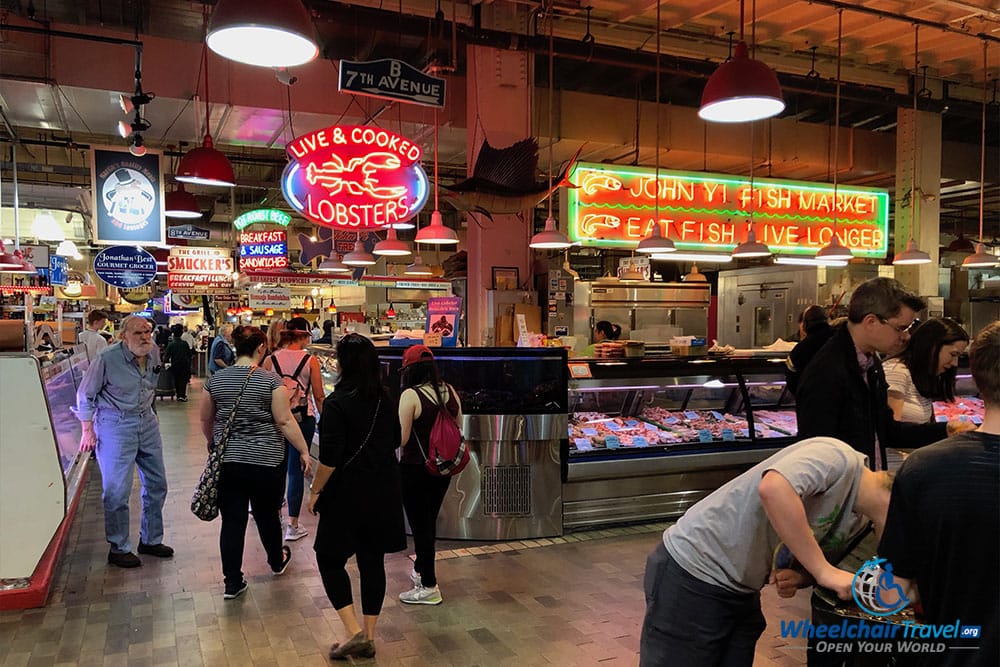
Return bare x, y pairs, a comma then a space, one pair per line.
354, 177
614, 206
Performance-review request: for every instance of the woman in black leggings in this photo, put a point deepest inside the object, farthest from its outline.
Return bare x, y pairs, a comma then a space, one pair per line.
356, 492
424, 395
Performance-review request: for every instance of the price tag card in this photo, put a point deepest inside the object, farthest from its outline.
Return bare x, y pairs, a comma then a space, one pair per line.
578, 370
670, 420
640, 441
704, 435
651, 427
582, 444
718, 416
611, 426
432, 339
691, 414
612, 442
941, 419
631, 423
976, 419
728, 435
589, 431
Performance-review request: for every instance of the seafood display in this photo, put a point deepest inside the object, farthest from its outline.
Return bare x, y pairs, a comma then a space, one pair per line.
964, 408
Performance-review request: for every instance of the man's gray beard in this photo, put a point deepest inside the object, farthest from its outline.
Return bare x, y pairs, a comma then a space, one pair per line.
141, 349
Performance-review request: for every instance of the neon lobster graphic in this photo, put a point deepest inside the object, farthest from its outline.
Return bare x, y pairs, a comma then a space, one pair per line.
357, 176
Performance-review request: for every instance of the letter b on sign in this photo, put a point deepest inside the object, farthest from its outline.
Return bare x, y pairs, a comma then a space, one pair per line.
394, 68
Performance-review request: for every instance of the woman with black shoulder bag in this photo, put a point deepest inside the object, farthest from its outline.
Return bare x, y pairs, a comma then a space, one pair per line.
356, 492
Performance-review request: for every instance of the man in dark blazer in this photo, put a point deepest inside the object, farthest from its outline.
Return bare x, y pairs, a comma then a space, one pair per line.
843, 392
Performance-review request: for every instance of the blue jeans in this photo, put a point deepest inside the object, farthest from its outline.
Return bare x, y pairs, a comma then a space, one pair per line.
296, 483
693, 623
125, 441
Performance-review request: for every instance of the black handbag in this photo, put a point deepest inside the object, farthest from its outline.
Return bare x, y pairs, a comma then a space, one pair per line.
205, 500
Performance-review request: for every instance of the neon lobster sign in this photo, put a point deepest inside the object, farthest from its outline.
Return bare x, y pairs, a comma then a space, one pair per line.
355, 177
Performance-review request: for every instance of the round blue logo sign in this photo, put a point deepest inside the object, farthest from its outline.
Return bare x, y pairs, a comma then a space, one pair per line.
875, 591
125, 266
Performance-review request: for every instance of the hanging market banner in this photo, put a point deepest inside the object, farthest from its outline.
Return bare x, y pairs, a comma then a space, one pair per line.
199, 270
264, 297
615, 206
125, 266
354, 177
270, 216
263, 251
58, 268
127, 196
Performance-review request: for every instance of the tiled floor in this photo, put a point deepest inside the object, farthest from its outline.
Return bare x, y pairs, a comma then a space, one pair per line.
575, 600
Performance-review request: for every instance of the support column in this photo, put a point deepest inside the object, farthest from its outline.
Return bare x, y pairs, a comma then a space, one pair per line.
923, 157
498, 103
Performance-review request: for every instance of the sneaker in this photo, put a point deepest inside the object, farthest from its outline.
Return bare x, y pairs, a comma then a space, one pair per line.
182, 399
126, 559
158, 550
293, 533
421, 595
415, 578
286, 558
233, 592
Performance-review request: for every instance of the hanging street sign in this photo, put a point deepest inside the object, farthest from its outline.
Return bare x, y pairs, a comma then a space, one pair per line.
393, 80
127, 194
615, 206
125, 266
354, 177
188, 233
262, 215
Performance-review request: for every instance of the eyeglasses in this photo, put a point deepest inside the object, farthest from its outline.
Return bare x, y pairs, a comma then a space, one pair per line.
142, 332
900, 329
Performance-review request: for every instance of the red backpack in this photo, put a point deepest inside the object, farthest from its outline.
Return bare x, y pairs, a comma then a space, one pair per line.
447, 451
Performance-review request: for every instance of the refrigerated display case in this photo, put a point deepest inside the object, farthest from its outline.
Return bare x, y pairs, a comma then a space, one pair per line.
514, 418
650, 437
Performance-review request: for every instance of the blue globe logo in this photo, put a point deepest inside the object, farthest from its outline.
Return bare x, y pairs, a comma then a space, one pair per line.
875, 590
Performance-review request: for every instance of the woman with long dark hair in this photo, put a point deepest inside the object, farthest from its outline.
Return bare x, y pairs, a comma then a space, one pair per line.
253, 466
356, 492
925, 370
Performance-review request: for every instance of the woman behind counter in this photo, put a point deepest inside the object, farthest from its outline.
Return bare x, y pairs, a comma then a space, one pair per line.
357, 492
603, 331
925, 370
253, 466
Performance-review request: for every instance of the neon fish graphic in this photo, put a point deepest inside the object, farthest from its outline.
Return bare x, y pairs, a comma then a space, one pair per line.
593, 221
592, 182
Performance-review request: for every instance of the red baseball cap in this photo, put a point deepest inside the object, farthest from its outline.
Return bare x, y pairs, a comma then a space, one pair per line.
416, 353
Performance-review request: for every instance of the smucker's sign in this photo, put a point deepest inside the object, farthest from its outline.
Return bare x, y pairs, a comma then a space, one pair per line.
354, 177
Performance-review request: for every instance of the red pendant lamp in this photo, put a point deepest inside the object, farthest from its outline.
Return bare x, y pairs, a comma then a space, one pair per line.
180, 203
204, 165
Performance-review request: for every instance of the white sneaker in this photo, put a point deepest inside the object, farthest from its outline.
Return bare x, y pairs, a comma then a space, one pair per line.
293, 533
415, 578
421, 595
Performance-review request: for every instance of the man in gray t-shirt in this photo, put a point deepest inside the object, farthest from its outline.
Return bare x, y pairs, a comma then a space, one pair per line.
773, 523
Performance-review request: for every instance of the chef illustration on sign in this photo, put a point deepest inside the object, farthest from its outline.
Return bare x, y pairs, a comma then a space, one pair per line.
129, 198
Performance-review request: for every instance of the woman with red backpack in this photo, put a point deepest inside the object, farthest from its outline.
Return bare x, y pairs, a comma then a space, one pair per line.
423, 397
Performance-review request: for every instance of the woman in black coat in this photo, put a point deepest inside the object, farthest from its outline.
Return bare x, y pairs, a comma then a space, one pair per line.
356, 492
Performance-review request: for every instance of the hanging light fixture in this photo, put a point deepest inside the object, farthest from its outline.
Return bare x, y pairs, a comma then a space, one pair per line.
436, 233
981, 258
751, 247
333, 264
45, 228
67, 249
390, 313
835, 253
205, 165
742, 89
391, 246
359, 256
550, 238
266, 33
631, 275
180, 203
656, 242
418, 268
8, 260
913, 254
694, 275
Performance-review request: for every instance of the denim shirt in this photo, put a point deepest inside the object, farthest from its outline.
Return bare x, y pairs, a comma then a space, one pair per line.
115, 382
220, 349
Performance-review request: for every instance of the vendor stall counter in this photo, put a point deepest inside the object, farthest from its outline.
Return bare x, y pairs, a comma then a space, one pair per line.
41, 470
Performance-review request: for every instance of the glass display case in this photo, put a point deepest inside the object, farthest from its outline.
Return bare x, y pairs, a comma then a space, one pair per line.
649, 437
